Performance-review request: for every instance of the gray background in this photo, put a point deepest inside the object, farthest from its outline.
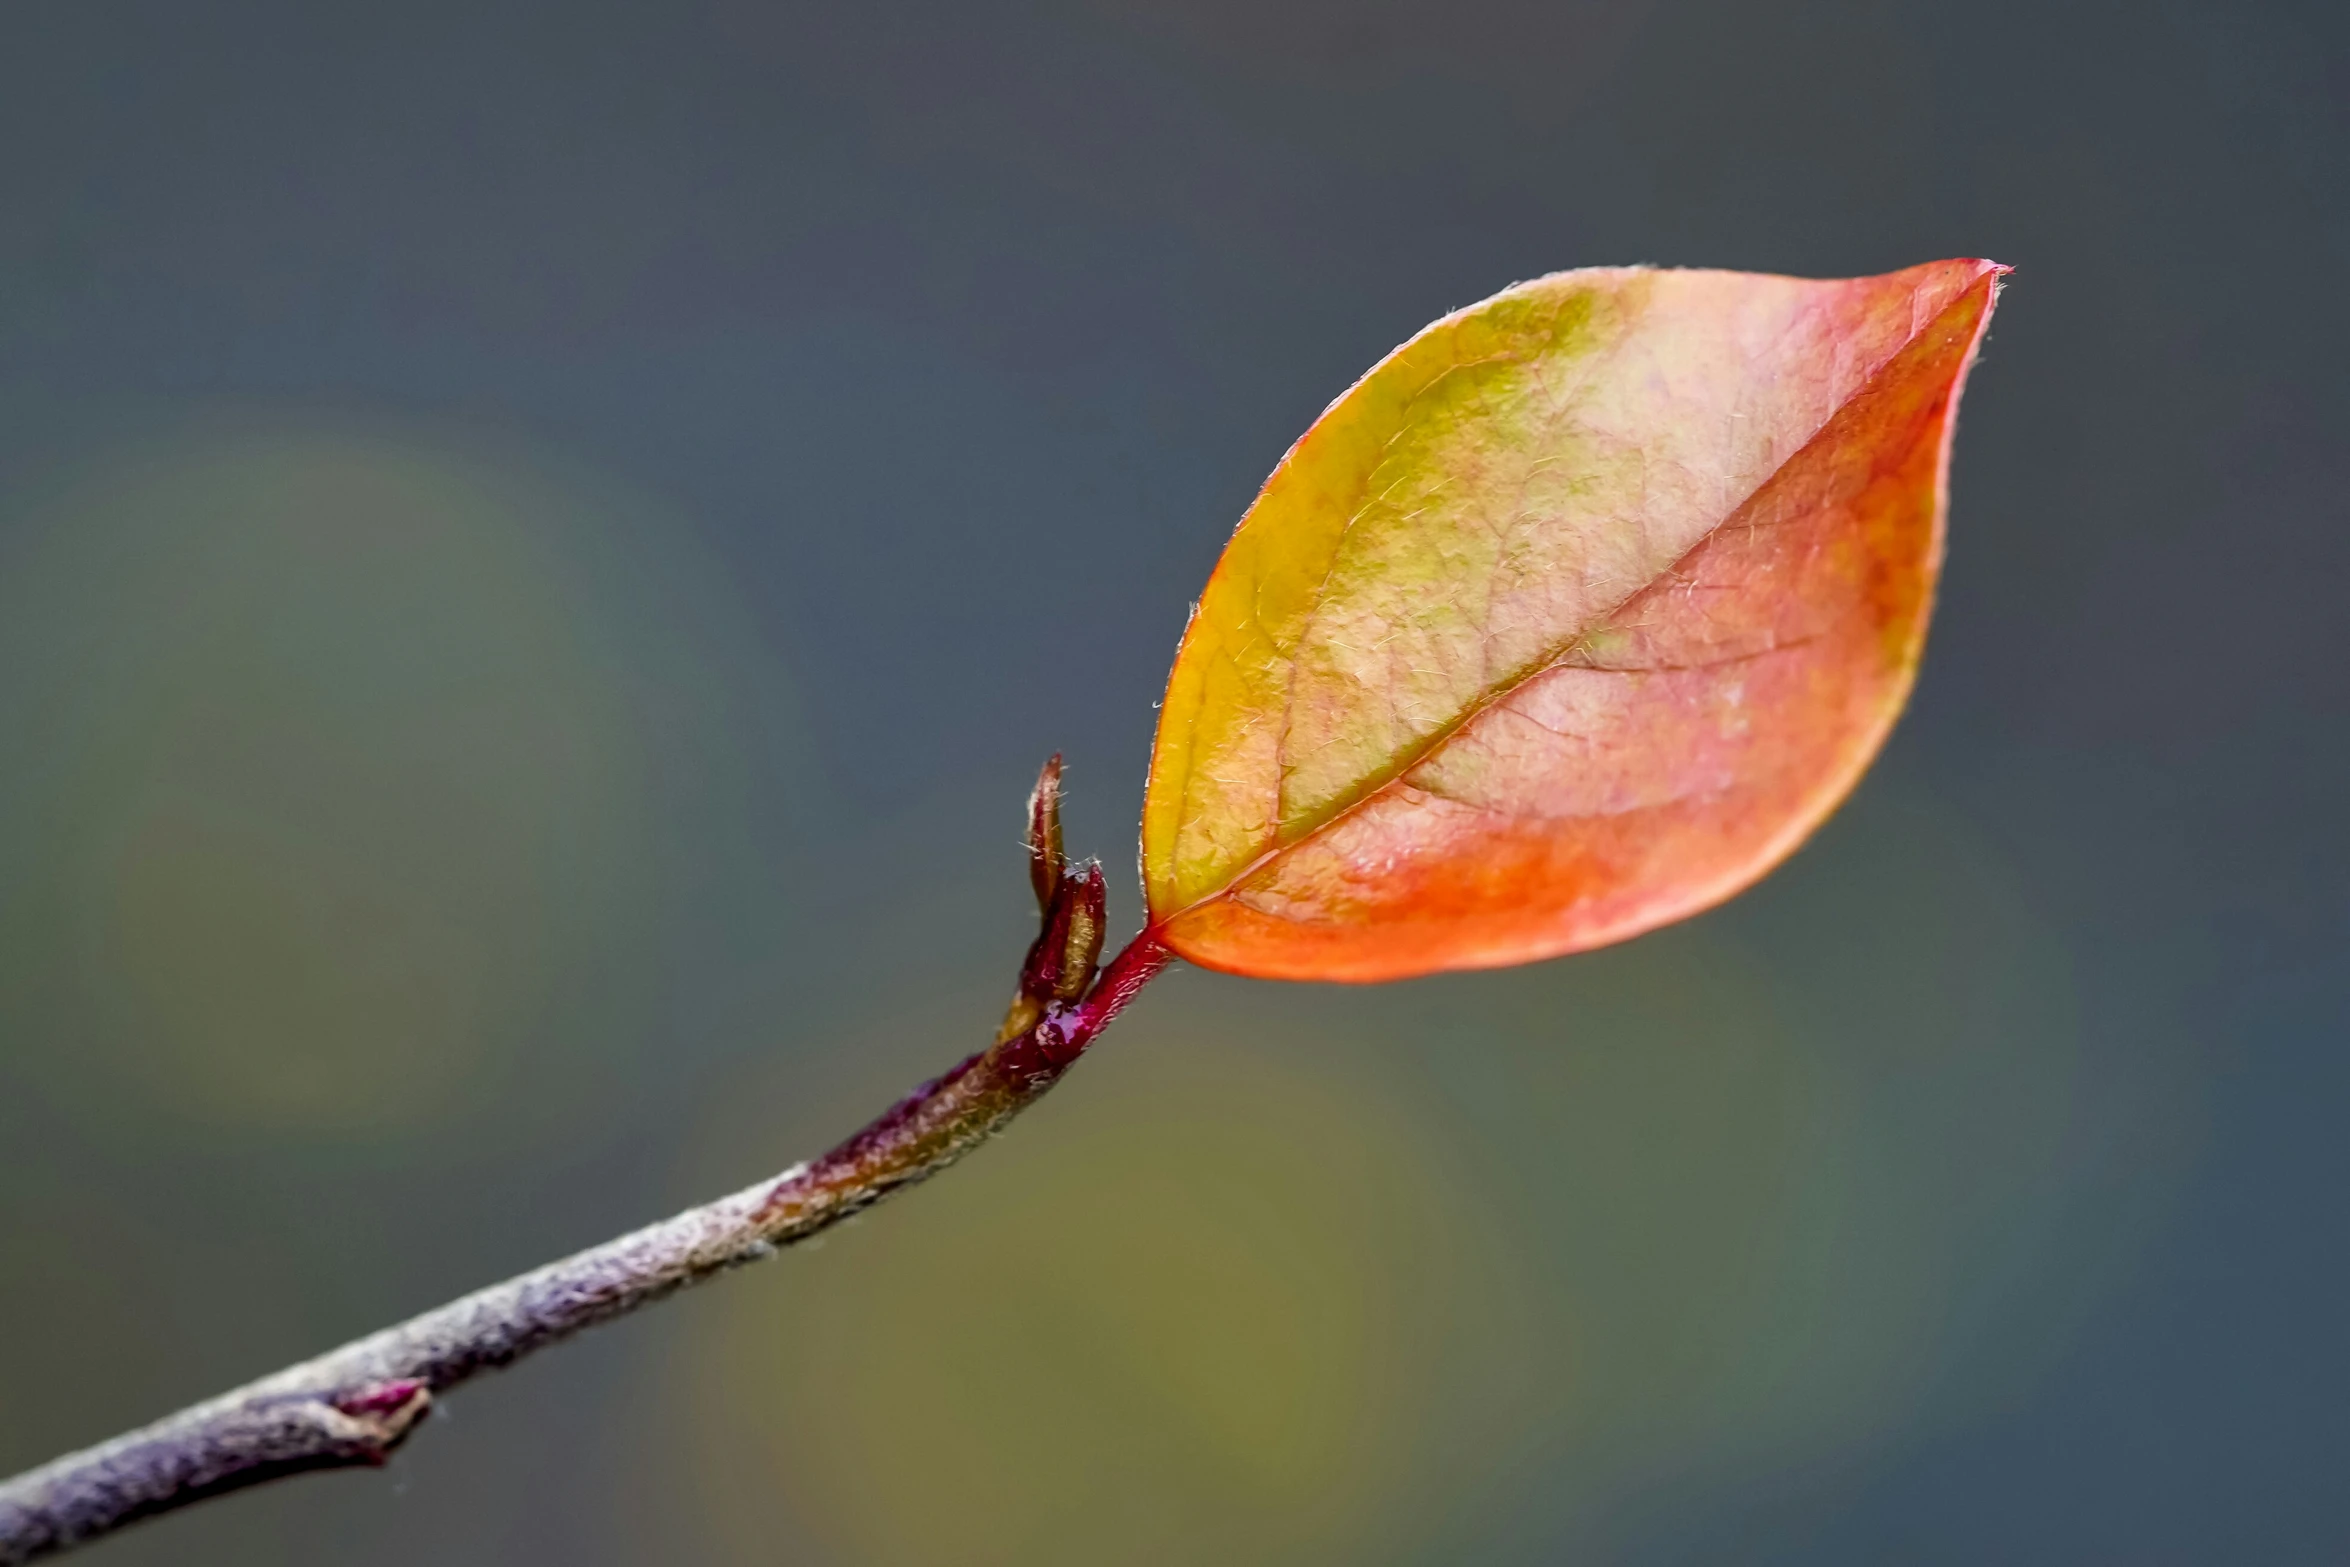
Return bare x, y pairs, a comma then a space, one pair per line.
540, 546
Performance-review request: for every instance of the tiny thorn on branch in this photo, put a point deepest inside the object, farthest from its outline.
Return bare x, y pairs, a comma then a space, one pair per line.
357, 1404
377, 1419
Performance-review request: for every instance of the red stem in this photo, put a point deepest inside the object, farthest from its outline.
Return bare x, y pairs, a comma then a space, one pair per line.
1122, 979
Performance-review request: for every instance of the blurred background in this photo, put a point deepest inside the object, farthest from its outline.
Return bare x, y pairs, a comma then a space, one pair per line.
541, 546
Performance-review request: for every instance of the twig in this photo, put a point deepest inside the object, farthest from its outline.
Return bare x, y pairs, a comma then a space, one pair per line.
356, 1404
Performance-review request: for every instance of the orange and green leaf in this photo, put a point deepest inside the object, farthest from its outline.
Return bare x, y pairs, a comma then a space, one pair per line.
1572, 617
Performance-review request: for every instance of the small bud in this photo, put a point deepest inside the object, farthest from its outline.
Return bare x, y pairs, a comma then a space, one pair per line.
1045, 861
1060, 965
1086, 896
1040, 975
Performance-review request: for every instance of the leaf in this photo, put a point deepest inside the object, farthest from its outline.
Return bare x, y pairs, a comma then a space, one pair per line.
1571, 618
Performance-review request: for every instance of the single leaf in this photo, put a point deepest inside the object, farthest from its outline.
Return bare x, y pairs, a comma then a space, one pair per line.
1571, 618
